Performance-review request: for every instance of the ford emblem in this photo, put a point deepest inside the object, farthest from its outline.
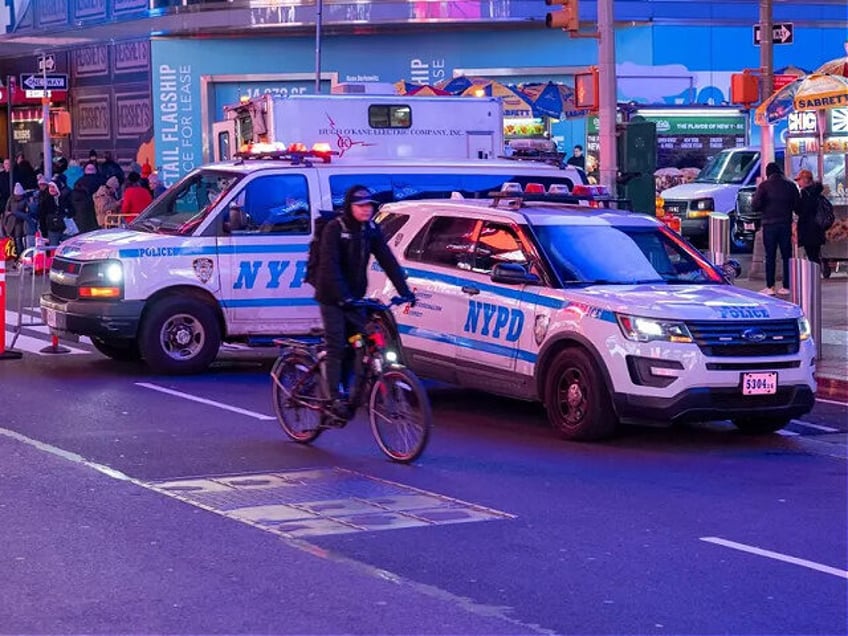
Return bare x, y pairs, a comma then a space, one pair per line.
754, 335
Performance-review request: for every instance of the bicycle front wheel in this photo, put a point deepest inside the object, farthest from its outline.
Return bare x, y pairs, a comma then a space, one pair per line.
298, 394
400, 414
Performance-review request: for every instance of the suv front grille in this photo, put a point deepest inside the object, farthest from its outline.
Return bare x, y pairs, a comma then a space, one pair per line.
746, 339
69, 271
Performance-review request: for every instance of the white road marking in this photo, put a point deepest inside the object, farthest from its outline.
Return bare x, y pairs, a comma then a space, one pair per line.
194, 398
812, 565
837, 403
786, 433
818, 427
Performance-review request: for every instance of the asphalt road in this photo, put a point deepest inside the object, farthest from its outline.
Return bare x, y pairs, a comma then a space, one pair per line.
139, 504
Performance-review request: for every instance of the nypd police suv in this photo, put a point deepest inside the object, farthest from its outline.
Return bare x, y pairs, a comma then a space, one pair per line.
603, 315
221, 255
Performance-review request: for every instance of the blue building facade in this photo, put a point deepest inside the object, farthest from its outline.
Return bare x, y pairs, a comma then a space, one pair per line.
679, 52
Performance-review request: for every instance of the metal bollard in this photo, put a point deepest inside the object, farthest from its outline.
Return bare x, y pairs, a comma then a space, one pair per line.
719, 233
805, 287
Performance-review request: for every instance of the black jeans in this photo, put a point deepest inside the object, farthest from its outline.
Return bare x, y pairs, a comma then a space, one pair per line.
339, 325
774, 237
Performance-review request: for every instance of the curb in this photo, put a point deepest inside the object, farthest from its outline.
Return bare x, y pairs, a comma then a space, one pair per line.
832, 388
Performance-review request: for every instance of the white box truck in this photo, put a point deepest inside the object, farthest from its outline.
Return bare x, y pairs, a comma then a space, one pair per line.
367, 126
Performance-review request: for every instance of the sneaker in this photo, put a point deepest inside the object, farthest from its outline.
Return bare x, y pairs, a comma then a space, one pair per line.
782, 291
768, 291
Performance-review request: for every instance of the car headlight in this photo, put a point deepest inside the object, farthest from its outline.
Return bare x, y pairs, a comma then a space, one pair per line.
102, 280
648, 329
700, 208
804, 330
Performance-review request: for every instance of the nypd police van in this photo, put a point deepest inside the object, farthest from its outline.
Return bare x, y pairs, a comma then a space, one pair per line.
602, 315
221, 255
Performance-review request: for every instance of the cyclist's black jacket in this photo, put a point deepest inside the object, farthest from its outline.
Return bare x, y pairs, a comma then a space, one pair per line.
345, 249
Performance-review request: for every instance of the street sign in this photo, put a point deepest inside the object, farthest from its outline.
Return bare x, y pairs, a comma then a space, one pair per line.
781, 80
35, 81
46, 63
781, 33
37, 94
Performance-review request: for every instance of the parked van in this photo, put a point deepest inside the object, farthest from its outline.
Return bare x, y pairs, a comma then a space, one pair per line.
714, 190
221, 255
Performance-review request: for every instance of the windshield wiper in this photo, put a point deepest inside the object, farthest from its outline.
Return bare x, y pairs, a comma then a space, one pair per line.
148, 225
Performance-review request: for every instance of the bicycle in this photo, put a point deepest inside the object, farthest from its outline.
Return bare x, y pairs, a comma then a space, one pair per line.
398, 406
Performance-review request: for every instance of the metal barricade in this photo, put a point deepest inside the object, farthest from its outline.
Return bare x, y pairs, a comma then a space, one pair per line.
805, 287
719, 234
34, 278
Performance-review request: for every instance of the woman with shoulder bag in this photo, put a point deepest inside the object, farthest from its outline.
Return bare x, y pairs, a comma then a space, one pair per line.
810, 236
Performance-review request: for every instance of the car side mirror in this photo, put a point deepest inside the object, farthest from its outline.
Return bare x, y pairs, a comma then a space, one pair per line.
731, 270
513, 274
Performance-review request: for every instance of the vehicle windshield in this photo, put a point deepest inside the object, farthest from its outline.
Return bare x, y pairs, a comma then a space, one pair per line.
612, 255
186, 204
728, 166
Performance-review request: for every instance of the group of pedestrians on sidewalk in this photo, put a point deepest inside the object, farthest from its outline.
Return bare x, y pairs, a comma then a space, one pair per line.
777, 199
78, 199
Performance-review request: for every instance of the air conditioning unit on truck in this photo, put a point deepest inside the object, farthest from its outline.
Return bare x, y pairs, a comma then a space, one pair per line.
367, 127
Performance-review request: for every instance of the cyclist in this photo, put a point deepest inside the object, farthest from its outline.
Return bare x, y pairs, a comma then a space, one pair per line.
346, 245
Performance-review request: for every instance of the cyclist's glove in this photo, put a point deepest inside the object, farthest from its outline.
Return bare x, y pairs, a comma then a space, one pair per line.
409, 298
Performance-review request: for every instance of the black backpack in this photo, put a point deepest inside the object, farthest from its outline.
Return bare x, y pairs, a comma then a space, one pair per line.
315, 245
824, 214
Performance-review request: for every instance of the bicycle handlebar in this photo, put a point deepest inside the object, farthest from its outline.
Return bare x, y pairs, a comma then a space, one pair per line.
375, 305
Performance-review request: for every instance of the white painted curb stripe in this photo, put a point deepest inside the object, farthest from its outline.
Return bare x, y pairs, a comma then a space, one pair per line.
194, 398
786, 433
812, 565
837, 403
818, 427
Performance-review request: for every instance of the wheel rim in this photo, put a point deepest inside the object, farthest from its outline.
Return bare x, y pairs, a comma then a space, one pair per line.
182, 337
572, 397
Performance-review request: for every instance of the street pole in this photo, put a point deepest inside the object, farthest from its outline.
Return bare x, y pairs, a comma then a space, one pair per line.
607, 98
766, 132
319, 14
45, 114
9, 133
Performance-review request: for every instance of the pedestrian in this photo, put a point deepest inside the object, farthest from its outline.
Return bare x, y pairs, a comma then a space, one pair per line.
90, 180
35, 211
24, 173
5, 185
810, 235
15, 218
51, 218
577, 159
111, 168
73, 173
136, 197
776, 199
82, 209
106, 201
156, 185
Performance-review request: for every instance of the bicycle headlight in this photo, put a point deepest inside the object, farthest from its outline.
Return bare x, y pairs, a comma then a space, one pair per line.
391, 357
804, 329
648, 329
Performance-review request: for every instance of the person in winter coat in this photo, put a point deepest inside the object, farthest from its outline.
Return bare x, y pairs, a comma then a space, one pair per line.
82, 208
776, 199
33, 223
91, 180
51, 217
111, 168
810, 236
15, 217
347, 243
106, 201
73, 173
136, 197
24, 173
156, 186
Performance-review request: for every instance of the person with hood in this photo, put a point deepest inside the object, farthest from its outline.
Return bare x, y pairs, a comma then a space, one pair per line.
136, 197
24, 173
810, 235
82, 208
15, 217
347, 243
72, 173
776, 199
51, 215
107, 201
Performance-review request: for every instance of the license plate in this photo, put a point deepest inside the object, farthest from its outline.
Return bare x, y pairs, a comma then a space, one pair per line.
50, 317
749, 226
759, 383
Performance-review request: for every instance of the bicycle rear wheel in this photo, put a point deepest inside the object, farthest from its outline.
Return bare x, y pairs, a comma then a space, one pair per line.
400, 415
298, 394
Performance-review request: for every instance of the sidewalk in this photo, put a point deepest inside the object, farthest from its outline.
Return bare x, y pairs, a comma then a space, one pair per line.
832, 366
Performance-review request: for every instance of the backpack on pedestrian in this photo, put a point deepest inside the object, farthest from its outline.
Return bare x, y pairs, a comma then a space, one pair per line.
824, 214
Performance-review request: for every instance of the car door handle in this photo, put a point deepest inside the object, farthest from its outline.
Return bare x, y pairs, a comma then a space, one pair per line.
471, 291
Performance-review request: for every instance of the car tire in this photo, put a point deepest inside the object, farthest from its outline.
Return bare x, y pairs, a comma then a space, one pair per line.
180, 336
123, 350
577, 399
760, 425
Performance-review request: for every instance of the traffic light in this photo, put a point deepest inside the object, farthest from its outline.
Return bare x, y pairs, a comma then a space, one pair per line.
567, 18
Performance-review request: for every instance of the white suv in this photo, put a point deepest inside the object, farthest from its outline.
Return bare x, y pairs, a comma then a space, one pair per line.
603, 315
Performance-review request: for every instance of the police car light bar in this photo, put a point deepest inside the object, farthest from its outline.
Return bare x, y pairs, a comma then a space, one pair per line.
279, 151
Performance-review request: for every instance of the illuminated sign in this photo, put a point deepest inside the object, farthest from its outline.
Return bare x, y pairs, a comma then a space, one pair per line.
802, 123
